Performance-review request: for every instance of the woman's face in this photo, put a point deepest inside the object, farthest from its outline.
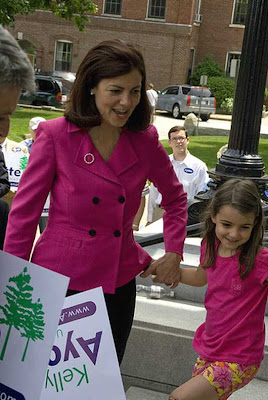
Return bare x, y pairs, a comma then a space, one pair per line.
116, 98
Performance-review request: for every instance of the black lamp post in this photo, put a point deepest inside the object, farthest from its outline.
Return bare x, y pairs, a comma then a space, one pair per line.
241, 158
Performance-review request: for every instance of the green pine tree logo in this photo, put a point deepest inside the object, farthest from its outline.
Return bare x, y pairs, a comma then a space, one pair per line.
21, 312
23, 163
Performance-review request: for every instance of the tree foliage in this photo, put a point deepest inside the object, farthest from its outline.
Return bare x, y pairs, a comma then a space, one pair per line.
73, 10
222, 88
207, 67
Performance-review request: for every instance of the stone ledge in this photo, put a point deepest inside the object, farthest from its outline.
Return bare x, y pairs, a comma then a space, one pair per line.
159, 354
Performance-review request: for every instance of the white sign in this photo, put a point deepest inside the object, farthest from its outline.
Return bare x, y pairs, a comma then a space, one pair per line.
46, 207
203, 80
16, 162
31, 299
83, 362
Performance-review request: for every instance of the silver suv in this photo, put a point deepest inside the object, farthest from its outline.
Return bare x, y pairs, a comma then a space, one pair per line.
183, 99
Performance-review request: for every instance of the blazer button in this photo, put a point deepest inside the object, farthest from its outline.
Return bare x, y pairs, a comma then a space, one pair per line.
92, 232
121, 199
117, 233
95, 200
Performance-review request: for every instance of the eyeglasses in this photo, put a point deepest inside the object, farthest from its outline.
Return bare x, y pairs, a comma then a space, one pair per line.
178, 139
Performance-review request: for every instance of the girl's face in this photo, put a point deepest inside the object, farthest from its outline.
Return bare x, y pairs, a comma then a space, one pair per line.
233, 229
116, 98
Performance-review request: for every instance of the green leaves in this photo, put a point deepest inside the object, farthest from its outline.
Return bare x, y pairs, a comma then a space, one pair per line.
207, 67
77, 11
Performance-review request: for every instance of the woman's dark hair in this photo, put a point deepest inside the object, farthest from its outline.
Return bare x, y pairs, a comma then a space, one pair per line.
244, 197
108, 59
177, 128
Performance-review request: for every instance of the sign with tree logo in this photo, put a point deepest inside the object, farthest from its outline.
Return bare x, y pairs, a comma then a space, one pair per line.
31, 299
16, 162
83, 362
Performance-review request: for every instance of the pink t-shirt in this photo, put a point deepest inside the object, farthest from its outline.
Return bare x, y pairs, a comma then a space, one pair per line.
234, 329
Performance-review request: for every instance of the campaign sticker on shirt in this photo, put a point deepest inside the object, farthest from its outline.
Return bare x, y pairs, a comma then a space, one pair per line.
188, 170
16, 149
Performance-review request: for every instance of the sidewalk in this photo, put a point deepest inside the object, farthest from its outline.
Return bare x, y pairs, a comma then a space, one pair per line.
218, 124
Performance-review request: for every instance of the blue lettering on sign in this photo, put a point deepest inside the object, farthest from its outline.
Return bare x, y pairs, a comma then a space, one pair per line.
188, 170
16, 149
13, 172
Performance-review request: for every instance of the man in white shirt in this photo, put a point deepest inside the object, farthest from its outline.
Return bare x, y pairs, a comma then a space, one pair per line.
190, 170
152, 97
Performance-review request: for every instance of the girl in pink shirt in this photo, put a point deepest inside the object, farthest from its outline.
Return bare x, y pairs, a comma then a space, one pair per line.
230, 343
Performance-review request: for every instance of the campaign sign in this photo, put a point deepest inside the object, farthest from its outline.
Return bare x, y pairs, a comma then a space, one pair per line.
83, 363
31, 299
16, 162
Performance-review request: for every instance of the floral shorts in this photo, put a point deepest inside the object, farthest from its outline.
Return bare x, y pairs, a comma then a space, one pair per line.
225, 377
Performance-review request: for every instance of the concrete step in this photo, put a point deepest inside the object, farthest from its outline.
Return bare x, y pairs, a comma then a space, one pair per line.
136, 393
159, 354
255, 390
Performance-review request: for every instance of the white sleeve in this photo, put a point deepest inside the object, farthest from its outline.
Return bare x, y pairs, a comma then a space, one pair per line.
153, 194
202, 178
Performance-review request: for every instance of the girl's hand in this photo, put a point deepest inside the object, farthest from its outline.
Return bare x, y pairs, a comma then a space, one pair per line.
165, 270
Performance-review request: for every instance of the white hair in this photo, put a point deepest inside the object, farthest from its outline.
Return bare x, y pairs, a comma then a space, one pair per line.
15, 66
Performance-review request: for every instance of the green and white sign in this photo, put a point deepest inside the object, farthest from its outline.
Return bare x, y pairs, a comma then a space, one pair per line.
16, 164
31, 299
83, 363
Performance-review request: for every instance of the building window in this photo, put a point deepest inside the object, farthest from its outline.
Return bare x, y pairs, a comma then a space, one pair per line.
240, 12
230, 57
63, 56
112, 7
157, 9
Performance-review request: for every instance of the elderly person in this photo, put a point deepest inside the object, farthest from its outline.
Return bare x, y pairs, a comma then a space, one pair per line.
16, 73
95, 161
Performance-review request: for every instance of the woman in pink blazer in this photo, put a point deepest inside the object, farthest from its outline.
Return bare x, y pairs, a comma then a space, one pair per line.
95, 161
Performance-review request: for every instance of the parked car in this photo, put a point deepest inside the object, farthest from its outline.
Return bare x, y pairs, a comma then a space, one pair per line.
68, 76
50, 91
183, 99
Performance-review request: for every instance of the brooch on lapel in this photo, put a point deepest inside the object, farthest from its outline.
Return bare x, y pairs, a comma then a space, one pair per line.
89, 158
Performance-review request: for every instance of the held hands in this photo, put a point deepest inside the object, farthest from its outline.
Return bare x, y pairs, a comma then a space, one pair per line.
165, 270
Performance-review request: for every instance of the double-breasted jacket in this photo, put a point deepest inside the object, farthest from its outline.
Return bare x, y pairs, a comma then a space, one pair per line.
92, 205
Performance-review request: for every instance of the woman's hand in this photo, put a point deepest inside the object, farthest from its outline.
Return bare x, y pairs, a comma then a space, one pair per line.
165, 270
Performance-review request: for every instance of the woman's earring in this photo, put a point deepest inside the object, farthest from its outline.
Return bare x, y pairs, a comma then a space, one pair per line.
92, 94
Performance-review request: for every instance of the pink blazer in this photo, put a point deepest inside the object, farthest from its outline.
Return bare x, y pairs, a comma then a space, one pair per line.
89, 232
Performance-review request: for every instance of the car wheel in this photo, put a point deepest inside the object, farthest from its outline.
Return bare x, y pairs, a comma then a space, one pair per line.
205, 117
176, 111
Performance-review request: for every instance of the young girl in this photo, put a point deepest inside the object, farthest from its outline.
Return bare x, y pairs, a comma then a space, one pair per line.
230, 343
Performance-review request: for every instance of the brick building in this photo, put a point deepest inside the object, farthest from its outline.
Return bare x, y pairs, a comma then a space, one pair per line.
173, 35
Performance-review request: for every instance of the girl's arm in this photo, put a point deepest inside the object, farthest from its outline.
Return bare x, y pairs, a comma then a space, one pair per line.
193, 276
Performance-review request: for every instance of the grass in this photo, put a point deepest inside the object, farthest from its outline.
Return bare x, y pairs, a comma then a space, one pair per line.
20, 121
203, 147
206, 148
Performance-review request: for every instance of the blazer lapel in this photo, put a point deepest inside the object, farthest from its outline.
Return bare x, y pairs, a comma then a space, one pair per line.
89, 159
123, 157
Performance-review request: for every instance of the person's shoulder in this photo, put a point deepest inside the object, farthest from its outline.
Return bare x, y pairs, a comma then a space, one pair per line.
197, 161
145, 140
262, 257
54, 122
149, 133
15, 147
58, 127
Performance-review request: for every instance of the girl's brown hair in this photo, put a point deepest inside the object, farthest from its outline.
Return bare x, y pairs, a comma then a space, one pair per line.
108, 59
244, 197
